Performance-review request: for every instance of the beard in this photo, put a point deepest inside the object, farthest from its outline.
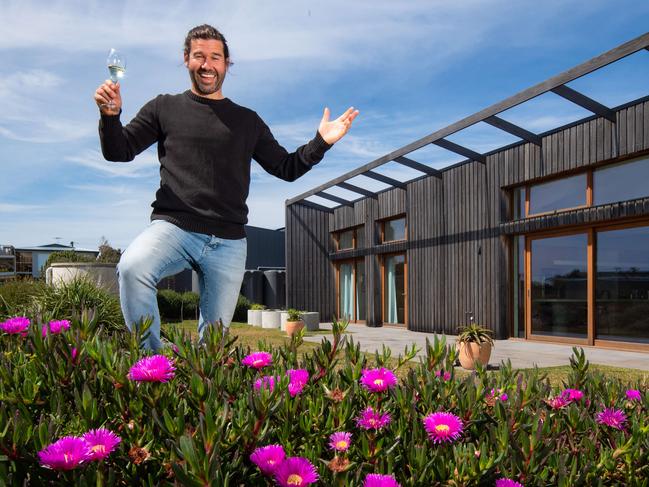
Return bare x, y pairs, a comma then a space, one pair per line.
206, 87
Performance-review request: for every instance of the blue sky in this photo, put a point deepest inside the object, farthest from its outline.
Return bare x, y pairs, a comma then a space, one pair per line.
410, 67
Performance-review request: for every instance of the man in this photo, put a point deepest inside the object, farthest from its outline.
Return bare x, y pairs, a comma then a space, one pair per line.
205, 145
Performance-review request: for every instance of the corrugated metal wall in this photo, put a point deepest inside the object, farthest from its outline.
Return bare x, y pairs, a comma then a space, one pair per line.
457, 249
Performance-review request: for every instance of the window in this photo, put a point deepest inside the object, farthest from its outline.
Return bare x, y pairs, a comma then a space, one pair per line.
24, 262
351, 290
620, 182
392, 230
353, 238
560, 194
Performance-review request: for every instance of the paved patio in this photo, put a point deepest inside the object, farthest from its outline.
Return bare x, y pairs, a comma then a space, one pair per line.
523, 354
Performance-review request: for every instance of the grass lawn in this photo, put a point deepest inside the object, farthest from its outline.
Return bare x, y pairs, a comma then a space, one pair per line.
251, 335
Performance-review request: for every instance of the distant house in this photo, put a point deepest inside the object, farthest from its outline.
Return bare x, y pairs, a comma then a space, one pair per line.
28, 261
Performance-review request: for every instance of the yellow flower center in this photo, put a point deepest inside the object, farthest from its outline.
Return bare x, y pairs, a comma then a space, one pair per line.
442, 427
342, 444
294, 479
373, 422
257, 362
378, 382
98, 448
67, 457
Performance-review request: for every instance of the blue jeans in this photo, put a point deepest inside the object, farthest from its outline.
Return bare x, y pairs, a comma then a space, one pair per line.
162, 250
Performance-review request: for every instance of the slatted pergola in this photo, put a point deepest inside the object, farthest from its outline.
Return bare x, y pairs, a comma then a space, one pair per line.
556, 84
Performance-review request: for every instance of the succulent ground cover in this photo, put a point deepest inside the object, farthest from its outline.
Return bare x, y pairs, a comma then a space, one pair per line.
81, 404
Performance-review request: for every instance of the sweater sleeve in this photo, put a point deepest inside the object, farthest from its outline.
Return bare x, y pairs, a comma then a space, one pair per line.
277, 161
122, 144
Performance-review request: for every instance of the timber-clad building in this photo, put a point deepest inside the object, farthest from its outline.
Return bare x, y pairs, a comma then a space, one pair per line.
544, 239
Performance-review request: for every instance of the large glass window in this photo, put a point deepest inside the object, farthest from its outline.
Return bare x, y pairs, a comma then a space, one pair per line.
622, 285
559, 286
559, 194
24, 262
351, 239
519, 203
394, 289
360, 290
346, 291
519, 286
620, 182
346, 240
394, 230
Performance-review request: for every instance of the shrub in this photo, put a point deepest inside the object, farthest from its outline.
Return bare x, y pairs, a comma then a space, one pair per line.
241, 311
257, 307
293, 314
72, 298
169, 304
16, 297
201, 427
66, 256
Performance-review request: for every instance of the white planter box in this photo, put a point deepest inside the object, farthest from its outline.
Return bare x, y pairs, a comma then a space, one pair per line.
270, 319
102, 275
254, 317
311, 320
283, 318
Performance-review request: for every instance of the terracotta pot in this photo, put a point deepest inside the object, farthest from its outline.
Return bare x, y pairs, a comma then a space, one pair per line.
293, 327
471, 352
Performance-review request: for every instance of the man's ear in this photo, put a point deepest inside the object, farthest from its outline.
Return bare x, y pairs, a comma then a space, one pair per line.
186, 58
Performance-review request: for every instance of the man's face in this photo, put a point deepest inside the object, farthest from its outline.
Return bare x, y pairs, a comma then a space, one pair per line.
207, 66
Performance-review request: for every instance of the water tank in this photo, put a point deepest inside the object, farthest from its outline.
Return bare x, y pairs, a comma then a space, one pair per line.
275, 289
253, 286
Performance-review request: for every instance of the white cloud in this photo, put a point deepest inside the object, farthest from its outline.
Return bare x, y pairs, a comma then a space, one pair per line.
142, 166
18, 208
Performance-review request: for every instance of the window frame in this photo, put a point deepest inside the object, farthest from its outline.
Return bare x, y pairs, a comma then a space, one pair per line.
382, 229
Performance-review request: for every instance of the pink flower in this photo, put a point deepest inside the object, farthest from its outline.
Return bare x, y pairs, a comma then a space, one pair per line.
378, 480
65, 454
340, 441
572, 395
16, 325
444, 375
615, 418
298, 378
503, 397
369, 419
507, 483
55, 327
266, 382
633, 395
268, 458
557, 402
443, 427
378, 380
296, 472
101, 443
258, 360
157, 368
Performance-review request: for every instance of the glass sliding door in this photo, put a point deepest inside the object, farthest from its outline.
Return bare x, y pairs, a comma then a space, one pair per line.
360, 290
394, 289
346, 291
622, 285
558, 286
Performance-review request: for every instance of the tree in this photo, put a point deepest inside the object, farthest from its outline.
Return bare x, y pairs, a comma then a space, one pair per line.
108, 254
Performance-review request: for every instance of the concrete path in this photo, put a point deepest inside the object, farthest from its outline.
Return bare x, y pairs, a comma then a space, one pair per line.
523, 354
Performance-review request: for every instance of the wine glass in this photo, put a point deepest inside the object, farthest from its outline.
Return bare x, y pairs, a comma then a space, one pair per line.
116, 63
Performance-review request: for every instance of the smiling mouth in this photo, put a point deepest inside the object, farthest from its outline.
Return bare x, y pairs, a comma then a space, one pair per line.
207, 76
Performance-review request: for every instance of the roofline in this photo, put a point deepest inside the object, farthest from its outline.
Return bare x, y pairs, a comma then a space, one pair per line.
613, 55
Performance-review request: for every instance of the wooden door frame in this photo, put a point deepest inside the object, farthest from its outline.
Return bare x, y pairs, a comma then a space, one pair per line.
353, 262
382, 258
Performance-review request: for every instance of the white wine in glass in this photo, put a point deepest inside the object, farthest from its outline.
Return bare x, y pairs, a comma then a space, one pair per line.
117, 67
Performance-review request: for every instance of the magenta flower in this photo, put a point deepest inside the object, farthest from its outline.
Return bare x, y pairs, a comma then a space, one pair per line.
55, 327
296, 472
557, 402
508, 483
369, 419
266, 382
65, 454
268, 458
378, 380
340, 441
298, 379
572, 395
258, 360
16, 325
101, 443
157, 368
443, 427
615, 418
378, 480
444, 375
633, 395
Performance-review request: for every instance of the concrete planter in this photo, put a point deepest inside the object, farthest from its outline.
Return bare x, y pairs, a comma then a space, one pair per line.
102, 275
270, 319
311, 320
283, 318
254, 317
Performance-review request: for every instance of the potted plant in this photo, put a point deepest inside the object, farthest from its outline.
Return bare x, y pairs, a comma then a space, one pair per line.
294, 322
474, 344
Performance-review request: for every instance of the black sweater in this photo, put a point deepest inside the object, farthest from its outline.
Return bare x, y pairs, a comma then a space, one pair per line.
205, 147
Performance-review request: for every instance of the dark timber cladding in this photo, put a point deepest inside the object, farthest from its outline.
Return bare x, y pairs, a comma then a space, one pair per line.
458, 218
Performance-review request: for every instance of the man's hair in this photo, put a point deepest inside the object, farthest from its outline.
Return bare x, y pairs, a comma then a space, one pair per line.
205, 31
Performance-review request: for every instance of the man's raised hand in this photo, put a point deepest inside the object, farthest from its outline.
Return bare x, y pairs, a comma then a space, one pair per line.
334, 130
106, 93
